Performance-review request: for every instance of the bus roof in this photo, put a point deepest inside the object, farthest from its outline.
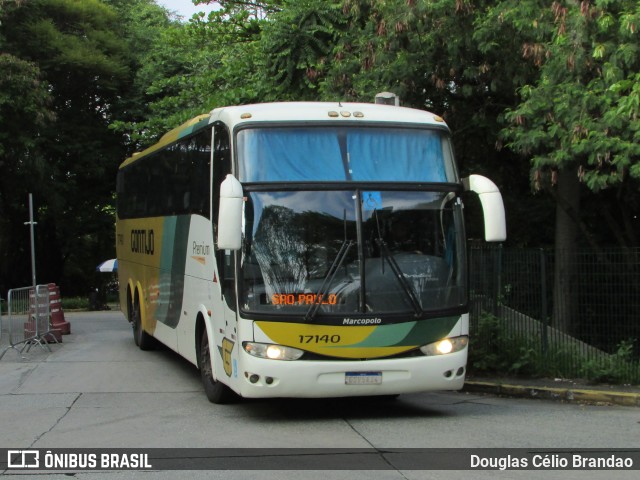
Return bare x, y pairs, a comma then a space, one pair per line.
296, 112
322, 111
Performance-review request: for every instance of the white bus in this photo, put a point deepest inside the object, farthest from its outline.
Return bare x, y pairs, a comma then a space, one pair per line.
302, 250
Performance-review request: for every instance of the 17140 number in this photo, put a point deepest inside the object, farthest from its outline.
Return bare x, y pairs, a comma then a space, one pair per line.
319, 339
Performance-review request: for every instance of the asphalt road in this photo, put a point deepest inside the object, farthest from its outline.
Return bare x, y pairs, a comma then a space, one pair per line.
98, 390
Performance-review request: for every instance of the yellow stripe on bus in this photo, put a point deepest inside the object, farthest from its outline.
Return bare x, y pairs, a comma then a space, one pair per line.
335, 341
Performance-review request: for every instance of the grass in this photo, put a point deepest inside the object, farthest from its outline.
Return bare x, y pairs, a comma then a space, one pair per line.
75, 303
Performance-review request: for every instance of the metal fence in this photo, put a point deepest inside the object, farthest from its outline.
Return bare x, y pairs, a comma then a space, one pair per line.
575, 313
28, 319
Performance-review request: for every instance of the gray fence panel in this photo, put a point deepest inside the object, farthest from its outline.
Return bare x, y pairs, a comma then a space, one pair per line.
582, 319
28, 319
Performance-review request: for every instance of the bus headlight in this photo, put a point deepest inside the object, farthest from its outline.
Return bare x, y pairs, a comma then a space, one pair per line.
271, 351
446, 345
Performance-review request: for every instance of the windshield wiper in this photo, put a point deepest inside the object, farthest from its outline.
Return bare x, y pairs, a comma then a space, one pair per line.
328, 280
397, 271
402, 280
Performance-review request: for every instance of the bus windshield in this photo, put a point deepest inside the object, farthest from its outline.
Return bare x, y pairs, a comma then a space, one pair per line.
345, 153
352, 252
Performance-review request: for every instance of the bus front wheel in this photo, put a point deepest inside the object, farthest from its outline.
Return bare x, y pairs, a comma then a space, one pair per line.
216, 392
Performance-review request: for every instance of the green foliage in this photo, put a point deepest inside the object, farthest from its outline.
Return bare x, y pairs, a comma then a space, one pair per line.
192, 68
496, 350
76, 37
581, 114
483, 356
614, 368
24, 102
297, 43
493, 350
75, 303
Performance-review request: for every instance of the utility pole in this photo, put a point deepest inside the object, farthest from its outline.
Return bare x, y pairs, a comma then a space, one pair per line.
36, 298
32, 224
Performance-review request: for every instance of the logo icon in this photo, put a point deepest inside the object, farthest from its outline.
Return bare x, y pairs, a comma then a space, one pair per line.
23, 459
225, 350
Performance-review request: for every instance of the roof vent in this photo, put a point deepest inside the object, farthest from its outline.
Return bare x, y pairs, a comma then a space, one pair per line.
387, 98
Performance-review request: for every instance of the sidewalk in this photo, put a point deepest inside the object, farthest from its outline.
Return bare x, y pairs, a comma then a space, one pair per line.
556, 389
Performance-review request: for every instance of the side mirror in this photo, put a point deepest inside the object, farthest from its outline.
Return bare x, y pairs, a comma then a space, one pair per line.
495, 225
230, 214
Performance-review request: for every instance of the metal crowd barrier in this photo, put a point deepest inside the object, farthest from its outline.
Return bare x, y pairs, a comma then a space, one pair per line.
28, 316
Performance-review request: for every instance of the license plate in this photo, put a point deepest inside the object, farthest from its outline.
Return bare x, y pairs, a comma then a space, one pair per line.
363, 378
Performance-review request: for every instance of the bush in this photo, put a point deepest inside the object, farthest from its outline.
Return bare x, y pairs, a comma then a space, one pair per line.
493, 349
75, 303
616, 368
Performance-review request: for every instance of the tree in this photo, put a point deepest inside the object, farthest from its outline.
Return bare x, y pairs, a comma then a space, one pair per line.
298, 42
157, 56
24, 110
82, 64
442, 56
579, 125
192, 68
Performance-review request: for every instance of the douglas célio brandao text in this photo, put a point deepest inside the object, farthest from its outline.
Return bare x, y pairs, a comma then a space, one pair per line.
554, 461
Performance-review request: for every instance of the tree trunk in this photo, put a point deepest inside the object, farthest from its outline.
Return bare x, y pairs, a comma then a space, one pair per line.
565, 299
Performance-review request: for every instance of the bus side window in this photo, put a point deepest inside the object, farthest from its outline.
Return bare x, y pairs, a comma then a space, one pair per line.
221, 168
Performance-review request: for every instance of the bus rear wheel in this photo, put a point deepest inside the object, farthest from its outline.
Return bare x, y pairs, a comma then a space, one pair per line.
216, 392
142, 338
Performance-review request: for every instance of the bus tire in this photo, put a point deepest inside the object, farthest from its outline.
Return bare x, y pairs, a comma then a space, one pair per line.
142, 338
216, 392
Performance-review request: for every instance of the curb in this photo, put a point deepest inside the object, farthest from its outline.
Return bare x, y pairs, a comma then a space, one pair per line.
574, 395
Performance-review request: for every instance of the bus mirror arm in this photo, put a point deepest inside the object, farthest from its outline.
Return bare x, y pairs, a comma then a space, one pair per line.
230, 214
495, 226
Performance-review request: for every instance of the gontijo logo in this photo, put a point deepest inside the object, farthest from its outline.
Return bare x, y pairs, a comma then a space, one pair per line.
142, 241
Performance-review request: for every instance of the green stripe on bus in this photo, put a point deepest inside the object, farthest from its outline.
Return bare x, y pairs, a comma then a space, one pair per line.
410, 333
